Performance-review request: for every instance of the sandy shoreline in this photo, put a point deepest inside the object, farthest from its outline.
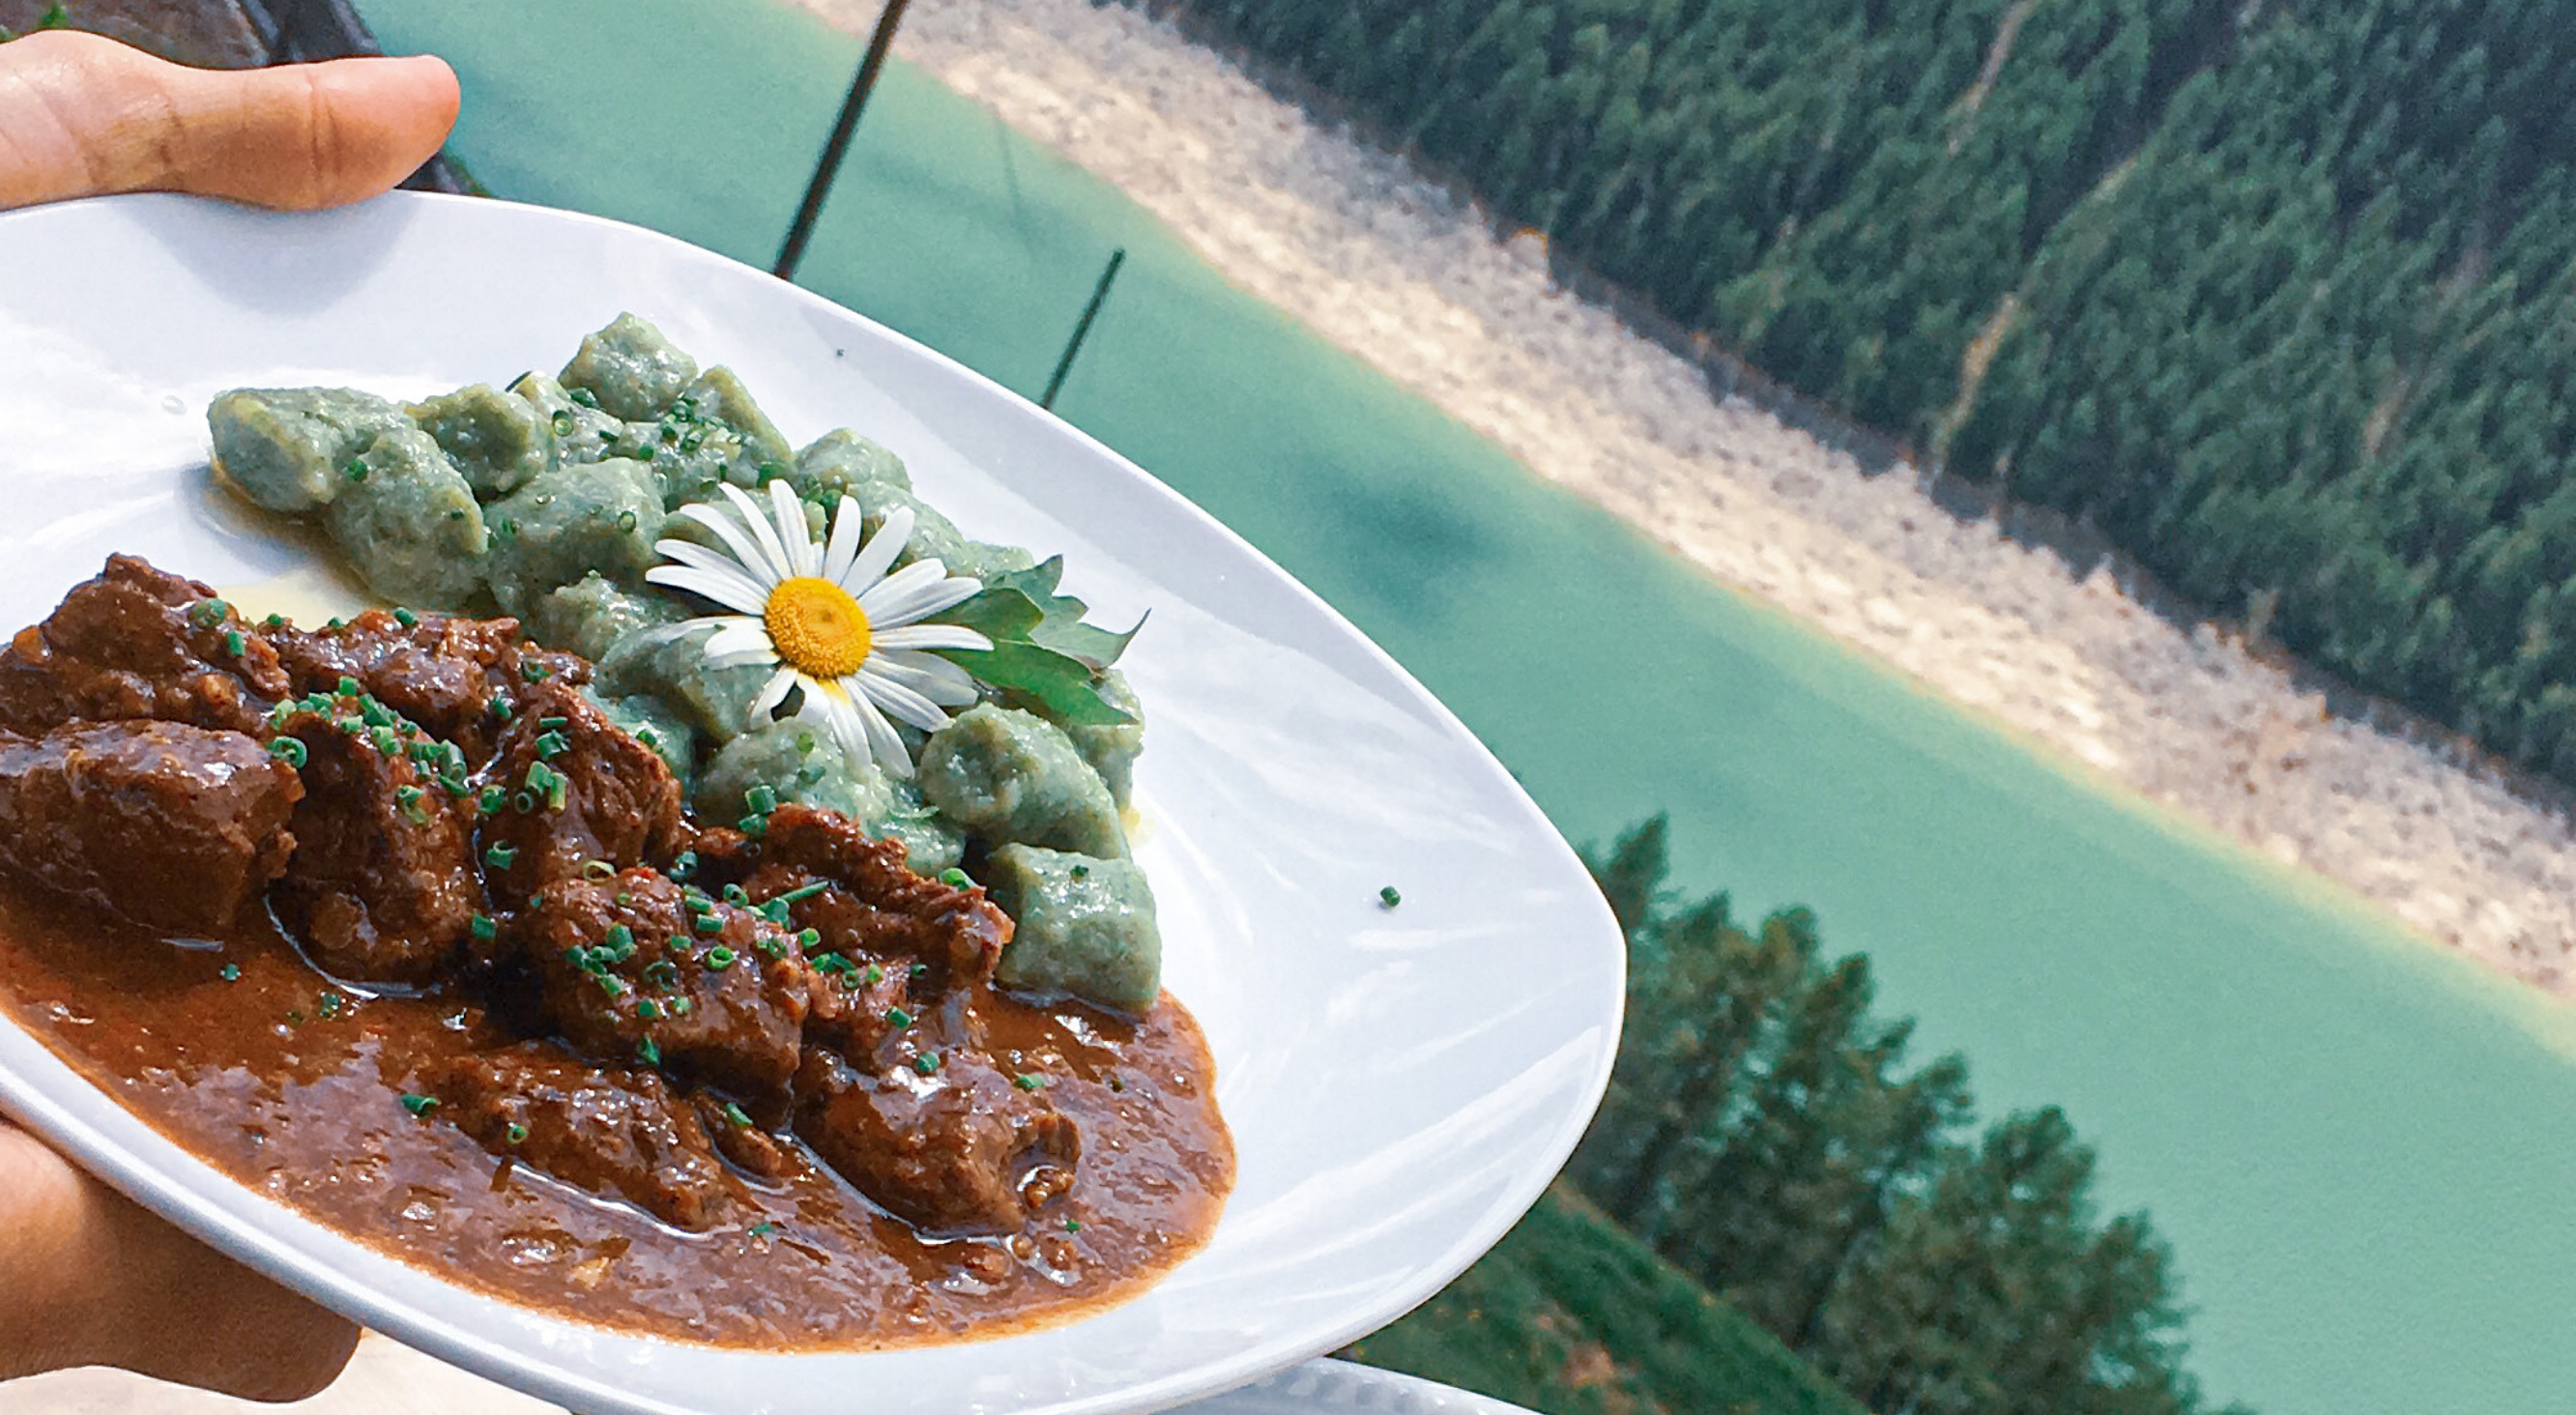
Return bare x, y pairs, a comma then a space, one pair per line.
1387, 266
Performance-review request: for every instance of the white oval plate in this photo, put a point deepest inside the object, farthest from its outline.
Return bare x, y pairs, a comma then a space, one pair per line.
1401, 1082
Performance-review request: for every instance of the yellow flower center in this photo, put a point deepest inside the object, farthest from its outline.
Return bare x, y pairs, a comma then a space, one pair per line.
818, 628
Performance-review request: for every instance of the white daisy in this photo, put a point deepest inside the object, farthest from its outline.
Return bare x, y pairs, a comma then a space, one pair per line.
829, 618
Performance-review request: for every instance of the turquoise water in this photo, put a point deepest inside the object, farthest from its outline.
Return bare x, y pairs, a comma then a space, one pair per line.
2358, 1147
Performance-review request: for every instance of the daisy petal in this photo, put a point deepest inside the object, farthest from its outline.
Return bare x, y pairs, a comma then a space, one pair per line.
881, 736
740, 638
900, 701
841, 721
928, 674
921, 599
793, 533
772, 694
745, 547
877, 554
722, 589
848, 528
887, 599
714, 562
756, 521
933, 636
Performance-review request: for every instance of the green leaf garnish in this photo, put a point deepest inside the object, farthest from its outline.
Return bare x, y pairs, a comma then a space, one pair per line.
1041, 648
1063, 684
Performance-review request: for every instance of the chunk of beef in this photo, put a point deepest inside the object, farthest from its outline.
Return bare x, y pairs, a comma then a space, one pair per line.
382, 885
135, 642
634, 966
442, 672
871, 905
740, 1139
607, 1131
578, 790
958, 1151
175, 826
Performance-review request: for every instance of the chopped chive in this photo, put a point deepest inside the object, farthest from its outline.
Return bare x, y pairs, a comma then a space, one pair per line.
524, 803
349, 687
583, 396
709, 924
753, 826
490, 801
419, 1105
875, 974
900, 1018
598, 869
677, 944
1388, 898
807, 938
357, 469
678, 1006
386, 742
683, 865
1073, 1225
534, 671
648, 1053
274, 621
234, 644
334, 622
775, 911
647, 1009
230, 972
289, 751
926, 1063
563, 423
763, 1230
516, 1133
761, 800
500, 856
720, 958
661, 972
329, 1006
500, 708
807, 891
805, 744
918, 969
734, 895
552, 745
1027, 1082
406, 618
955, 878
486, 927
735, 1114
553, 724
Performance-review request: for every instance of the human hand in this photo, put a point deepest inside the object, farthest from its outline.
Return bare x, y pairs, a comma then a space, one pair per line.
85, 116
88, 1278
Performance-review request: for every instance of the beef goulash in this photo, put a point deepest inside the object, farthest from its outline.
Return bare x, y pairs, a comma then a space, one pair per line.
390, 921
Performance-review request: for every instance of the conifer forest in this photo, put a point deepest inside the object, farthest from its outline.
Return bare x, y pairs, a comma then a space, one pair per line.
2277, 295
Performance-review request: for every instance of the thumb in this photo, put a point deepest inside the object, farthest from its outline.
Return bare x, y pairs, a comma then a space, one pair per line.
81, 115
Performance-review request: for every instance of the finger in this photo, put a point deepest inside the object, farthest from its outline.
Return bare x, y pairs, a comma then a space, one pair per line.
94, 1279
81, 115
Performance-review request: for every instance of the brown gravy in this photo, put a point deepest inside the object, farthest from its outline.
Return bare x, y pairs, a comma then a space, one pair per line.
242, 1053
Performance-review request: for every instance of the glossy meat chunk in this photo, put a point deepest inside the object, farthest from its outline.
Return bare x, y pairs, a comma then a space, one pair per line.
574, 790
870, 903
635, 968
609, 1131
442, 672
134, 642
953, 1149
174, 826
381, 886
